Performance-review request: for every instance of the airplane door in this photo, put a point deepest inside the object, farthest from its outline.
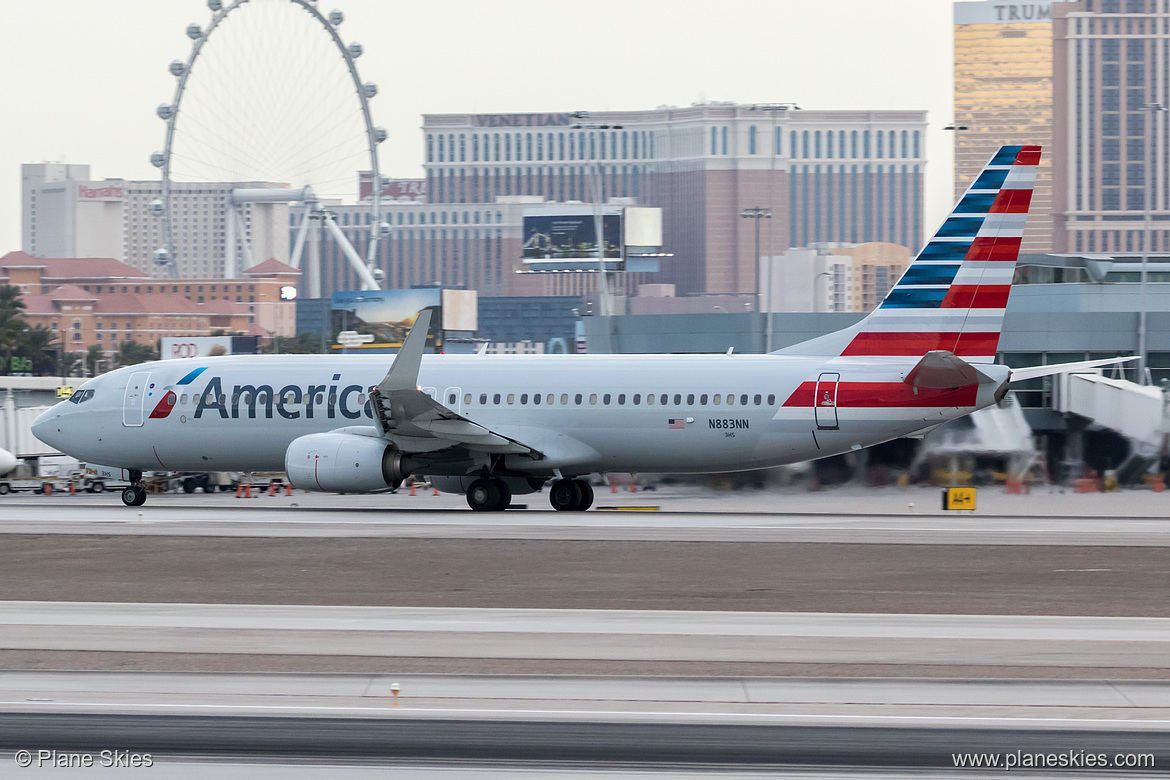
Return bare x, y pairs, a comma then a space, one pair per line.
452, 399
825, 401
135, 399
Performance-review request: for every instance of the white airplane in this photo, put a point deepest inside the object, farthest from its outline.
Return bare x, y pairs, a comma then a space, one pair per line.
495, 426
7, 462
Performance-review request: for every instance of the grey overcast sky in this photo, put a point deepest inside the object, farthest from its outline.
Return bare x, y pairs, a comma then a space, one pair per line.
80, 79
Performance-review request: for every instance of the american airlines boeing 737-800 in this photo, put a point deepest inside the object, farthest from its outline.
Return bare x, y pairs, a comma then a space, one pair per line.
494, 426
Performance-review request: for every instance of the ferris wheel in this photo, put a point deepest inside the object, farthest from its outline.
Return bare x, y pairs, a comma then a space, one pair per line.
270, 100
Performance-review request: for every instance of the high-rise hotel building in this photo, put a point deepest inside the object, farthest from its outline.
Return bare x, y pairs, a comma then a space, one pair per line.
840, 176
1003, 95
1112, 82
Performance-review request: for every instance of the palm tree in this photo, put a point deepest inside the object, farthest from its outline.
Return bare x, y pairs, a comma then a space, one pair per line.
41, 346
12, 324
92, 356
131, 353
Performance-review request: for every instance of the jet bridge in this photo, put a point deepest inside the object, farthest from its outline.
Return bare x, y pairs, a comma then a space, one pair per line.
1137, 412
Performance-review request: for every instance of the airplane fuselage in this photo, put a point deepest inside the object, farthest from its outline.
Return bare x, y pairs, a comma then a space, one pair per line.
585, 413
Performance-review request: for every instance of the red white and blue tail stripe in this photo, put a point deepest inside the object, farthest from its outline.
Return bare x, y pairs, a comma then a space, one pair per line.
953, 296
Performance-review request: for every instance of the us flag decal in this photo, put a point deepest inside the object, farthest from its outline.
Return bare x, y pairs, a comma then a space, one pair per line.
676, 423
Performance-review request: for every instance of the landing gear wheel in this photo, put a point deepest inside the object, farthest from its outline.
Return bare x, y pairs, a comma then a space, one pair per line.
134, 496
483, 495
505, 493
565, 495
586, 495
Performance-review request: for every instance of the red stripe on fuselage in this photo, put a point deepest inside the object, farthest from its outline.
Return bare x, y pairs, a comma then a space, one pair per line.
986, 296
165, 405
873, 395
915, 344
987, 248
1011, 202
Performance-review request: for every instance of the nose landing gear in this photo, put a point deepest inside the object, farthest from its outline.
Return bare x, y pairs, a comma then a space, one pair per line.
571, 495
135, 495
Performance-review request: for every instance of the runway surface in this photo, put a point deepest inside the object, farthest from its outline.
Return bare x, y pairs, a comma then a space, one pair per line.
637, 631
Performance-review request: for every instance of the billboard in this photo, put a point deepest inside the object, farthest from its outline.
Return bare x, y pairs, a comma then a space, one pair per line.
566, 236
397, 190
387, 315
208, 346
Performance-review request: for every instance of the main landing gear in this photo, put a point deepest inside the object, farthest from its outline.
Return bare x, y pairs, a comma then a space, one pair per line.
489, 495
571, 495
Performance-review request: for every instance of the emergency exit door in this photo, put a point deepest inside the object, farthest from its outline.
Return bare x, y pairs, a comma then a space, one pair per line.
825, 401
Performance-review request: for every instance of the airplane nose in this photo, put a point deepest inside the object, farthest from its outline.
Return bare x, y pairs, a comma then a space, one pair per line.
46, 427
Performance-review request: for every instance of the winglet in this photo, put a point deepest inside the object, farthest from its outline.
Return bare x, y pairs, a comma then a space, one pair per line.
403, 373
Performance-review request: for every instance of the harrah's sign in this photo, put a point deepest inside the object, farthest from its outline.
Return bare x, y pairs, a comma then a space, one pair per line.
521, 120
111, 192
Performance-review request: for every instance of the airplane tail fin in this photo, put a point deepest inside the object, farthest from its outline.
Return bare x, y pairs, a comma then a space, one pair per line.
953, 296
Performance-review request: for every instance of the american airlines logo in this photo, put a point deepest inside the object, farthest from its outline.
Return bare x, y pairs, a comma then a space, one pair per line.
349, 402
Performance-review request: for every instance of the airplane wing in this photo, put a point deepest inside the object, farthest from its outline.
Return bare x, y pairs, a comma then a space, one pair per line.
1020, 374
415, 422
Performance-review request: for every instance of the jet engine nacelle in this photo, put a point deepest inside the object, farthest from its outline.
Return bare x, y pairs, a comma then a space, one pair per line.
344, 463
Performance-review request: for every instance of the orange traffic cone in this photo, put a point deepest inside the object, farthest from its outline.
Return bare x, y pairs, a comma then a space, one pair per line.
612, 486
72, 489
272, 488
288, 488
436, 491
413, 488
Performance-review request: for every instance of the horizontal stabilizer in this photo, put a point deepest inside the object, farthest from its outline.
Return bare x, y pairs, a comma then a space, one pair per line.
940, 368
1032, 372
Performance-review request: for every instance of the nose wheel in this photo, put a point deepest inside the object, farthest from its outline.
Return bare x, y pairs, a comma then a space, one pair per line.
135, 495
571, 495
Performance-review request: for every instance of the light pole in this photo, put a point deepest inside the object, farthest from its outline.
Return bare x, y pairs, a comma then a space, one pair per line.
774, 145
596, 180
1152, 111
757, 213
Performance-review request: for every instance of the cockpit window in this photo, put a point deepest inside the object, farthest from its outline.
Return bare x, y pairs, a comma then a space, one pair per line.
81, 396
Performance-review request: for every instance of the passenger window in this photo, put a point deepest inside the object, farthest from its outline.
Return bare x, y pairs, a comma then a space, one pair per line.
637, 398
715, 399
483, 399
511, 398
690, 399
662, 400
731, 399
743, 400
536, 398
703, 399
593, 398
235, 398
605, 399
467, 398
183, 398
621, 399
564, 399
577, 399
524, 398
496, 399
757, 400
332, 399
771, 399
677, 399
320, 398
549, 399
649, 399
451, 398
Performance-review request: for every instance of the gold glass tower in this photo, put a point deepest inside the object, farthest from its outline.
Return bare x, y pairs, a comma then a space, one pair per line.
1003, 95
